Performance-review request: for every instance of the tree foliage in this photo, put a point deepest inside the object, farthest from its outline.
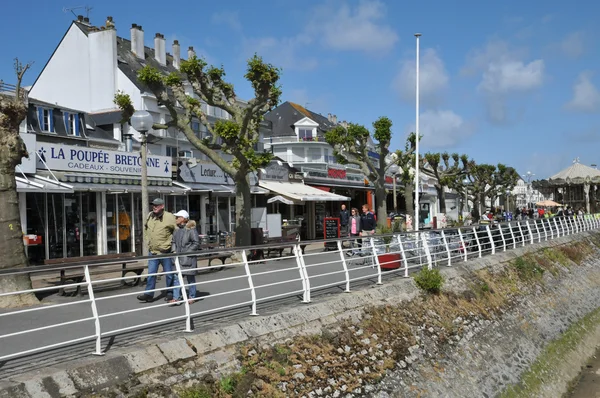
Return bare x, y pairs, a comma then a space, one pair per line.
444, 169
351, 145
183, 93
487, 181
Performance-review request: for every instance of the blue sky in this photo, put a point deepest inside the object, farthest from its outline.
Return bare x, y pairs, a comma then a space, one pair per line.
511, 82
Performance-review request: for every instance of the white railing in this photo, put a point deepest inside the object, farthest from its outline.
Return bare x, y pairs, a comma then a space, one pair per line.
103, 311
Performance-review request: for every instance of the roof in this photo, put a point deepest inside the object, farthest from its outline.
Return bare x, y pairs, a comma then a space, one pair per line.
577, 173
287, 114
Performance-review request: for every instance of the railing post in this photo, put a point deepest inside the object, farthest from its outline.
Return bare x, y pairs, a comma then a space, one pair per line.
346, 273
557, 229
250, 282
530, 232
545, 231
376, 258
512, 235
502, 237
492, 244
537, 231
427, 252
90, 287
521, 231
447, 248
303, 273
462, 243
404, 259
477, 240
188, 318
550, 228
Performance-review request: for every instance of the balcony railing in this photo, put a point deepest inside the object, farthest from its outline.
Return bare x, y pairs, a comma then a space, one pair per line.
293, 138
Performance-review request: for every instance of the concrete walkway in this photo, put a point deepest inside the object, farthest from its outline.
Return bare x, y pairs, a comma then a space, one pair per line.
218, 305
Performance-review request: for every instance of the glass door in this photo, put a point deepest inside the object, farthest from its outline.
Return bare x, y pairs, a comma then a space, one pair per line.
124, 223
72, 208
89, 225
56, 238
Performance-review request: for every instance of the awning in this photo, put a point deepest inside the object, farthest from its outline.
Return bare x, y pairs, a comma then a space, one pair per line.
301, 192
41, 184
123, 188
281, 199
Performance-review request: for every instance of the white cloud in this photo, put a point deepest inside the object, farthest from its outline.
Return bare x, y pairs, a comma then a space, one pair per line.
442, 128
572, 45
586, 97
360, 28
433, 78
231, 19
504, 72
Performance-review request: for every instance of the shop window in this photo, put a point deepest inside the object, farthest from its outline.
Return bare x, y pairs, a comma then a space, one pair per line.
72, 206
35, 238
89, 226
55, 225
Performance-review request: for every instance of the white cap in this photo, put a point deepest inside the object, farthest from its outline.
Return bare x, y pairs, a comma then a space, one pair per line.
183, 213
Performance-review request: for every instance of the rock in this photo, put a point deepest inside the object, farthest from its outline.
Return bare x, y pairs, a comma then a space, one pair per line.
336, 393
431, 330
367, 370
331, 382
347, 349
364, 352
366, 341
297, 366
402, 365
319, 391
316, 369
299, 376
344, 388
389, 351
374, 337
359, 332
251, 353
340, 351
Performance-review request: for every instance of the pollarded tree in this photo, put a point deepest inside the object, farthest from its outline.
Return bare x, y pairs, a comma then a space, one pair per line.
504, 179
13, 110
481, 178
350, 145
438, 167
236, 136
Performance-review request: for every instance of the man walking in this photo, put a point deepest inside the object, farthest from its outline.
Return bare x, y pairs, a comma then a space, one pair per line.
367, 221
344, 218
158, 231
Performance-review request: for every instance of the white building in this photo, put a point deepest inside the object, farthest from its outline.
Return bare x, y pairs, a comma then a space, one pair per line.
525, 195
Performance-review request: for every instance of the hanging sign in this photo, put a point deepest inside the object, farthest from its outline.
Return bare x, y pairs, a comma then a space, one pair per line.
80, 159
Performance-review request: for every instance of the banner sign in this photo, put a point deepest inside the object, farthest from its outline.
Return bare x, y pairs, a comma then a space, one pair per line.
93, 160
208, 173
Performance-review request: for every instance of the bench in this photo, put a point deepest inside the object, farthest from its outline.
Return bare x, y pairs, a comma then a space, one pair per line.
289, 241
78, 275
223, 256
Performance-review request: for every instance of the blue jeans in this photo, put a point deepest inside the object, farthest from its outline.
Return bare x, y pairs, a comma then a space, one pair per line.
167, 265
177, 289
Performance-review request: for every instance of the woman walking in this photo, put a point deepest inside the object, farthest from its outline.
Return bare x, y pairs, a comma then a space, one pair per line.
185, 240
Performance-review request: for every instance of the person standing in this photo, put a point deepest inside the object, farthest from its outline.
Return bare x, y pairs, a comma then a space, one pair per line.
158, 231
344, 218
185, 240
355, 228
367, 221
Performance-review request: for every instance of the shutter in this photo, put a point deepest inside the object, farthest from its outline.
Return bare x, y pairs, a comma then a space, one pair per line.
51, 117
77, 125
66, 120
41, 118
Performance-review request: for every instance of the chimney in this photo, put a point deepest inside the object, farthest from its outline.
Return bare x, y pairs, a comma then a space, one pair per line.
329, 117
176, 54
160, 50
191, 52
137, 41
334, 119
345, 124
86, 20
109, 23
79, 18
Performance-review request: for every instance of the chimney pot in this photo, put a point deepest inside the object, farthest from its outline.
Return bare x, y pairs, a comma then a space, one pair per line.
80, 18
109, 19
160, 51
86, 19
329, 117
133, 25
334, 119
176, 54
191, 52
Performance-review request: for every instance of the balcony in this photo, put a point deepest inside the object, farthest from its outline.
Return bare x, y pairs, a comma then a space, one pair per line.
293, 138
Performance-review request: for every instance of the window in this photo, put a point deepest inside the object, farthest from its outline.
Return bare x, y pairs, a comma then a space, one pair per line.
305, 134
45, 118
171, 151
72, 124
314, 154
186, 154
196, 127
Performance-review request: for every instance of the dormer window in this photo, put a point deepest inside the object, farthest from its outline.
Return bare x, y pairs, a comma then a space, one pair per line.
46, 119
305, 134
72, 124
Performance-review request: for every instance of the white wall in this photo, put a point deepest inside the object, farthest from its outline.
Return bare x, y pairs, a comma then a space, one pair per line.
66, 78
103, 69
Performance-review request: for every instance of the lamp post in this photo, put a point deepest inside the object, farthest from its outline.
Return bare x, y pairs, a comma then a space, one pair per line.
142, 122
394, 169
417, 207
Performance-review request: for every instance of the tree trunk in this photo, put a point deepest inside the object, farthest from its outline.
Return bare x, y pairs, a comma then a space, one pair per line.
380, 199
442, 198
12, 249
243, 206
409, 189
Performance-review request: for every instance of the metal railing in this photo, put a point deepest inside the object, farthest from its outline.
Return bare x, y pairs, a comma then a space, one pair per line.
102, 312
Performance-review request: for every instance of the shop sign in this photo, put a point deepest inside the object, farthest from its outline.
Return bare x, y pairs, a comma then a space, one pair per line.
336, 173
208, 173
276, 172
99, 161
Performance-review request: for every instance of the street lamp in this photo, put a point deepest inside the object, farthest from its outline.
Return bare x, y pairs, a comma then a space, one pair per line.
142, 122
417, 207
394, 170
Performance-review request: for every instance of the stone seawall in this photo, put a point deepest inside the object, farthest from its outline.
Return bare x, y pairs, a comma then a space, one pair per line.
503, 326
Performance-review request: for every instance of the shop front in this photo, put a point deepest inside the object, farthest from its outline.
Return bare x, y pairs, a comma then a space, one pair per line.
90, 201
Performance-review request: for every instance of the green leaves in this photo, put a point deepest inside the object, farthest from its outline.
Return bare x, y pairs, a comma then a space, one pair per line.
151, 77
193, 66
123, 102
264, 78
383, 130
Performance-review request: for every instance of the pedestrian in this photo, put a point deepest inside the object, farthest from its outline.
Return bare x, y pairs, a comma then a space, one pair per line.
344, 218
185, 240
158, 232
355, 228
367, 221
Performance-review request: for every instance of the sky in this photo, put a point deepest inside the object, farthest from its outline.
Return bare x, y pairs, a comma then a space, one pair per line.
508, 82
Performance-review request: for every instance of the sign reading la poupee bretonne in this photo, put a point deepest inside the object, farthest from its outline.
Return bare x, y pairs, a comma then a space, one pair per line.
93, 160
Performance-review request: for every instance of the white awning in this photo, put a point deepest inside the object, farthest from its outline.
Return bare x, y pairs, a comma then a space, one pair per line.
41, 184
281, 199
301, 192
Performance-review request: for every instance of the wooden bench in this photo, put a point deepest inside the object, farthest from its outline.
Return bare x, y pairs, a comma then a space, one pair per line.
288, 241
77, 276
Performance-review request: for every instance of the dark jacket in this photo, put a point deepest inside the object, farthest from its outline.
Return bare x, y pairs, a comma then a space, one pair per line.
344, 217
368, 221
186, 240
